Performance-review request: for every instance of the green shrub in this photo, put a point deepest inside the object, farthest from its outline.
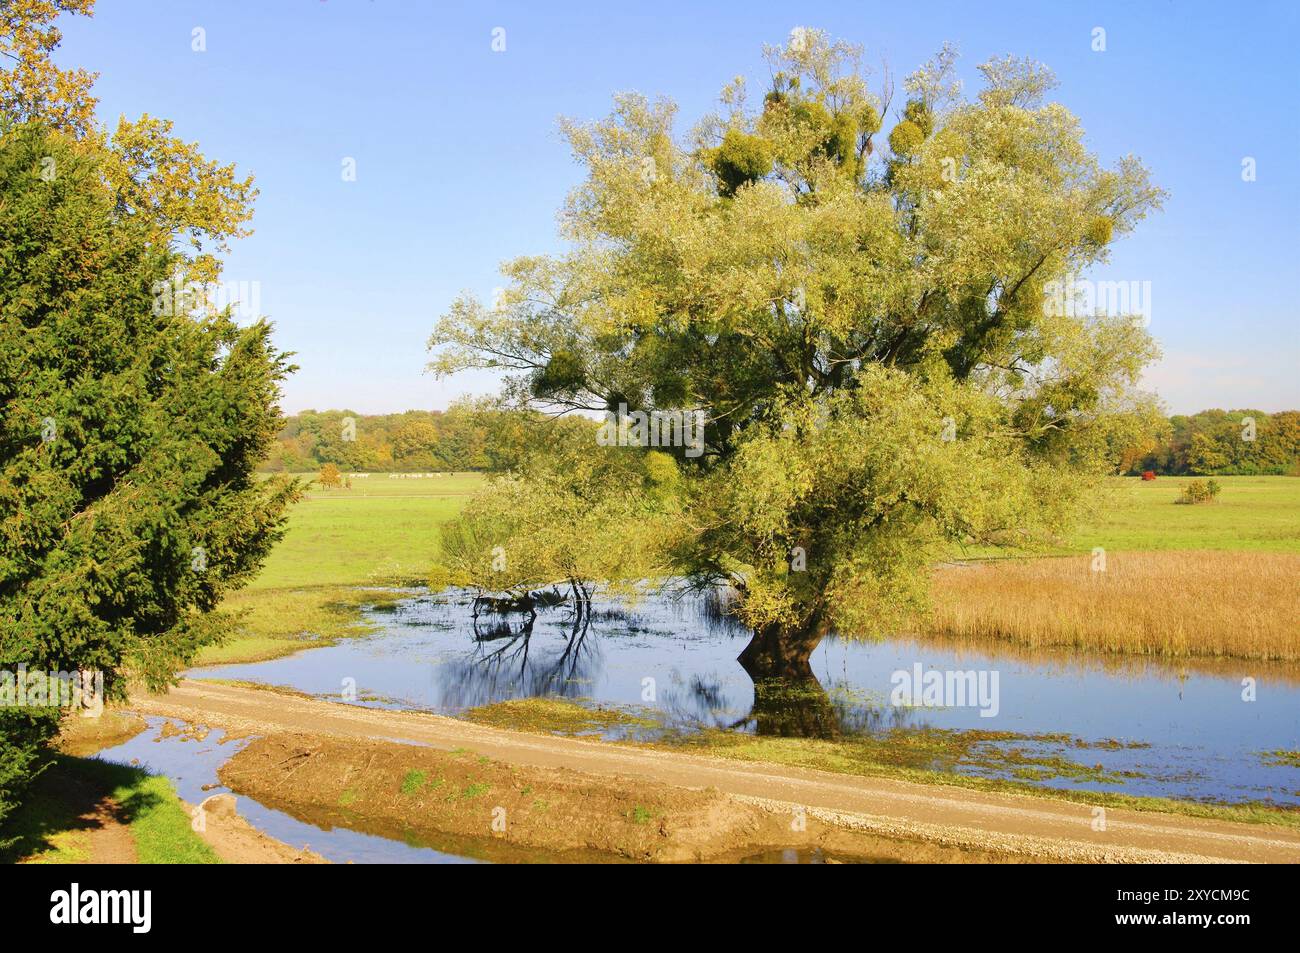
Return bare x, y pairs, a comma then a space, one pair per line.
740, 160
1199, 491
906, 138
25, 734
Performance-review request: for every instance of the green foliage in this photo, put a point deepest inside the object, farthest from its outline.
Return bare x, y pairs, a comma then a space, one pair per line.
415, 441
830, 516
868, 119
577, 515
128, 503
1199, 491
835, 319
564, 373
32, 86
918, 114
1101, 230
906, 138
1217, 442
810, 130
740, 160
463, 438
24, 733
129, 432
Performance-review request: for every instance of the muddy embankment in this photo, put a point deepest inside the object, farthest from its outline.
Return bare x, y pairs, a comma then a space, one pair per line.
464, 803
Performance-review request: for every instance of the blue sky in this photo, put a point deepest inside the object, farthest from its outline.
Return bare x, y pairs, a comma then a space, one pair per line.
460, 166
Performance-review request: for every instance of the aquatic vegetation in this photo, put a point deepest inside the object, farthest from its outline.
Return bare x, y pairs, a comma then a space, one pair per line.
1281, 758
556, 716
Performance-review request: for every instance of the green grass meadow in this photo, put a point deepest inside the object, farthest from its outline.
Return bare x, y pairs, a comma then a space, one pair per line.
1252, 514
380, 532
1257, 514
384, 532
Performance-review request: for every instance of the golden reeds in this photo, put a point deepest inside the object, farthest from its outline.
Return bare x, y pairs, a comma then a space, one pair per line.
1241, 605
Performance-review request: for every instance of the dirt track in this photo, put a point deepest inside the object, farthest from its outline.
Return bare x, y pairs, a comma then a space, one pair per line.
1017, 824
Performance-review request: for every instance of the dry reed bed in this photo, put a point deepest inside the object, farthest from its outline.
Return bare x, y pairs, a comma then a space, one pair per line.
1210, 604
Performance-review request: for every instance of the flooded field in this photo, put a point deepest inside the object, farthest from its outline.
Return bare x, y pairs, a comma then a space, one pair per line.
1209, 732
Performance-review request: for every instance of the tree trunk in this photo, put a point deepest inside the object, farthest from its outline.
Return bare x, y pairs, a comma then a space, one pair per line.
777, 653
789, 701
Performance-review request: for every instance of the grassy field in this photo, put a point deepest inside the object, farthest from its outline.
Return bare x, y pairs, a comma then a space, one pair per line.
1257, 514
1252, 514
384, 531
380, 532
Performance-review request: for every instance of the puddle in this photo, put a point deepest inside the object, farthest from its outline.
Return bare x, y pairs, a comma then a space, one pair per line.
193, 764
1062, 721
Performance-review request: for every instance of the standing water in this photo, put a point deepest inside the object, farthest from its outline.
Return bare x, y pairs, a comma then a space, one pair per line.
1056, 720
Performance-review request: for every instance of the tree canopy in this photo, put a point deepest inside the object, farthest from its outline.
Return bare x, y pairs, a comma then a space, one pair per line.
131, 429
861, 316
466, 436
1220, 442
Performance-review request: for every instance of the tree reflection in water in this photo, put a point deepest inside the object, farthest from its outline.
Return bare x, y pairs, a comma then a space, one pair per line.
517, 655
507, 664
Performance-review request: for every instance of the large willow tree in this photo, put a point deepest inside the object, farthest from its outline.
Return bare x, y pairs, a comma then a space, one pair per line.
863, 313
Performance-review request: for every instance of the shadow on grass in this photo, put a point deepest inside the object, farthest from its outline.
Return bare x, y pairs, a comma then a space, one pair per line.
75, 795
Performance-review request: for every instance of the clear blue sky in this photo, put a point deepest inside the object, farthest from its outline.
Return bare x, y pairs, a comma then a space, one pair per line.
460, 167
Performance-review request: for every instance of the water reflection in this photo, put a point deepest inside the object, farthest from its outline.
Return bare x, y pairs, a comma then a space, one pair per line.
513, 659
1178, 729
508, 661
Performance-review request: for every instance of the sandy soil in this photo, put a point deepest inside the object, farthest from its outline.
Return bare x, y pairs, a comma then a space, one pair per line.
727, 793
238, 842
466, 803
98, 832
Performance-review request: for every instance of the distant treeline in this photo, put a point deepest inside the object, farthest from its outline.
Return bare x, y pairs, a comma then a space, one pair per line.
464, 437
1222, 443
468, 437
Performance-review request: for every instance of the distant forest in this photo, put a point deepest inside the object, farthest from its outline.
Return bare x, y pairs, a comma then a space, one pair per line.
1221, 443
467, 437
464, 437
